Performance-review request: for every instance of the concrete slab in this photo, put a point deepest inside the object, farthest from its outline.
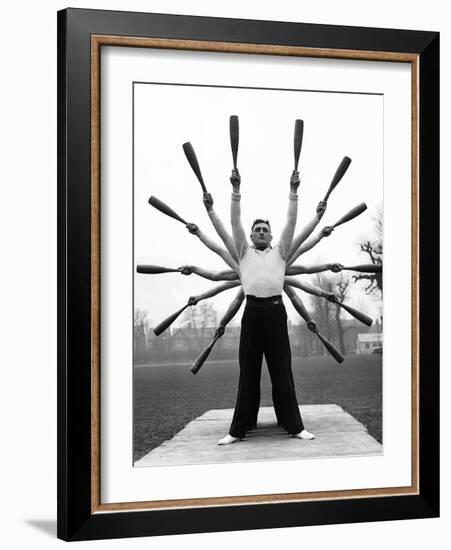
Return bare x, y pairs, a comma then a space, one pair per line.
337, 434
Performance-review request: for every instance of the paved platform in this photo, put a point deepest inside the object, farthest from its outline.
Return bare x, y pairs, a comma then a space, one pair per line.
337, 434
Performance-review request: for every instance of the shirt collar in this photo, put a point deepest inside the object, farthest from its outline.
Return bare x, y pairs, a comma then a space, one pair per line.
266, 250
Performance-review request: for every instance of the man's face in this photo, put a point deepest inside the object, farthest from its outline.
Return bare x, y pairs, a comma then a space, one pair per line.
261, 235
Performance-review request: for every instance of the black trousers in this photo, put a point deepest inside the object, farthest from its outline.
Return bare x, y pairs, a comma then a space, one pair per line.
264, 332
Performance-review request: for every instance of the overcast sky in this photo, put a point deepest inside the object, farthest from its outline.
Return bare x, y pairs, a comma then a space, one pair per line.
335, 125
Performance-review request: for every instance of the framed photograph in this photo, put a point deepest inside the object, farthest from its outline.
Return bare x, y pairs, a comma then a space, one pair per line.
210, 378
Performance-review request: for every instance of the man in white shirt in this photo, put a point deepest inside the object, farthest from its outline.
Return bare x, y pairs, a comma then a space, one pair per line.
264, 325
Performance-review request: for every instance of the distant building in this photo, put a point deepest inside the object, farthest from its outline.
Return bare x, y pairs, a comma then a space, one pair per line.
367, 342
191, 338
162, 343
190, 341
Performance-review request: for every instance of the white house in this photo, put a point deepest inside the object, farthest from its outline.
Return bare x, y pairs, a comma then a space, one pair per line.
368, 341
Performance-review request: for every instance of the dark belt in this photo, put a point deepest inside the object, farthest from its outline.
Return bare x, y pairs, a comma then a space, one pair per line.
269, 300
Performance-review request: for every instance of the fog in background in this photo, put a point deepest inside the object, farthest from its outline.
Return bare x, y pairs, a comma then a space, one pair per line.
335, 125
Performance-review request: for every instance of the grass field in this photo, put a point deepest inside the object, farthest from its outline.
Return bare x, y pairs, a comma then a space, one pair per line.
167, 397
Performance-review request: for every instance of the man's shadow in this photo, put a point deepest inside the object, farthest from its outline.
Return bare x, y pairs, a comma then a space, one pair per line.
47, 526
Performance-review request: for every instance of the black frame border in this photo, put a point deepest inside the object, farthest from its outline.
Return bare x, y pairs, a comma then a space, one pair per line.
75, 519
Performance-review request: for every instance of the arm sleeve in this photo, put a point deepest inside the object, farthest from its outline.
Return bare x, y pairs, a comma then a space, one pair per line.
304, 248
303, 235
218, 250
288, 232
297, 303
306, 287
239, 236
217, 289
222, 232
225, 275
233, 308
299, 269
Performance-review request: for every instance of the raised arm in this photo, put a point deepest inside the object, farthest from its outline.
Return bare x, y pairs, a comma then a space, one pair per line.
239, 236
286, 238
193, 229
299, 269
309, 288
308, 229
225, 275
313, 241
219, 226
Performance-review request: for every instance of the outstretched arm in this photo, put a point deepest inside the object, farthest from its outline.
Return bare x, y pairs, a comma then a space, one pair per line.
286, 238
365, 268
233, 308
309, 288
219, 226
299, 269
308, 229
192, 228
225, 275
239, 236
313, 241
231, 311
300, 307
212, 292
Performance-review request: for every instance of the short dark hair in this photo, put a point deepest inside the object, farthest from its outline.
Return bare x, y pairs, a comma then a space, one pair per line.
260, 220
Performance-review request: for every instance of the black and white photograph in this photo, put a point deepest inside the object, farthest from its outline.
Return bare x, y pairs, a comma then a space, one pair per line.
258, 238
255, 334
243, 208
225, 287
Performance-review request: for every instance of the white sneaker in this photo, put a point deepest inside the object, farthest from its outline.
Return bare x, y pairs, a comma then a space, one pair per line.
304, 435
228, 439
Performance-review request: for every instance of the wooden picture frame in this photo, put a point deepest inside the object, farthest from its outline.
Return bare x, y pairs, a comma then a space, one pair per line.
81, 35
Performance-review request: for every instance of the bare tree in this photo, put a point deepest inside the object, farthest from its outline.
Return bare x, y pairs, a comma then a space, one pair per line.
374, 249
341, 290
197, 322
322, 310
328, 315
307, 344
140, 318
140, 329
